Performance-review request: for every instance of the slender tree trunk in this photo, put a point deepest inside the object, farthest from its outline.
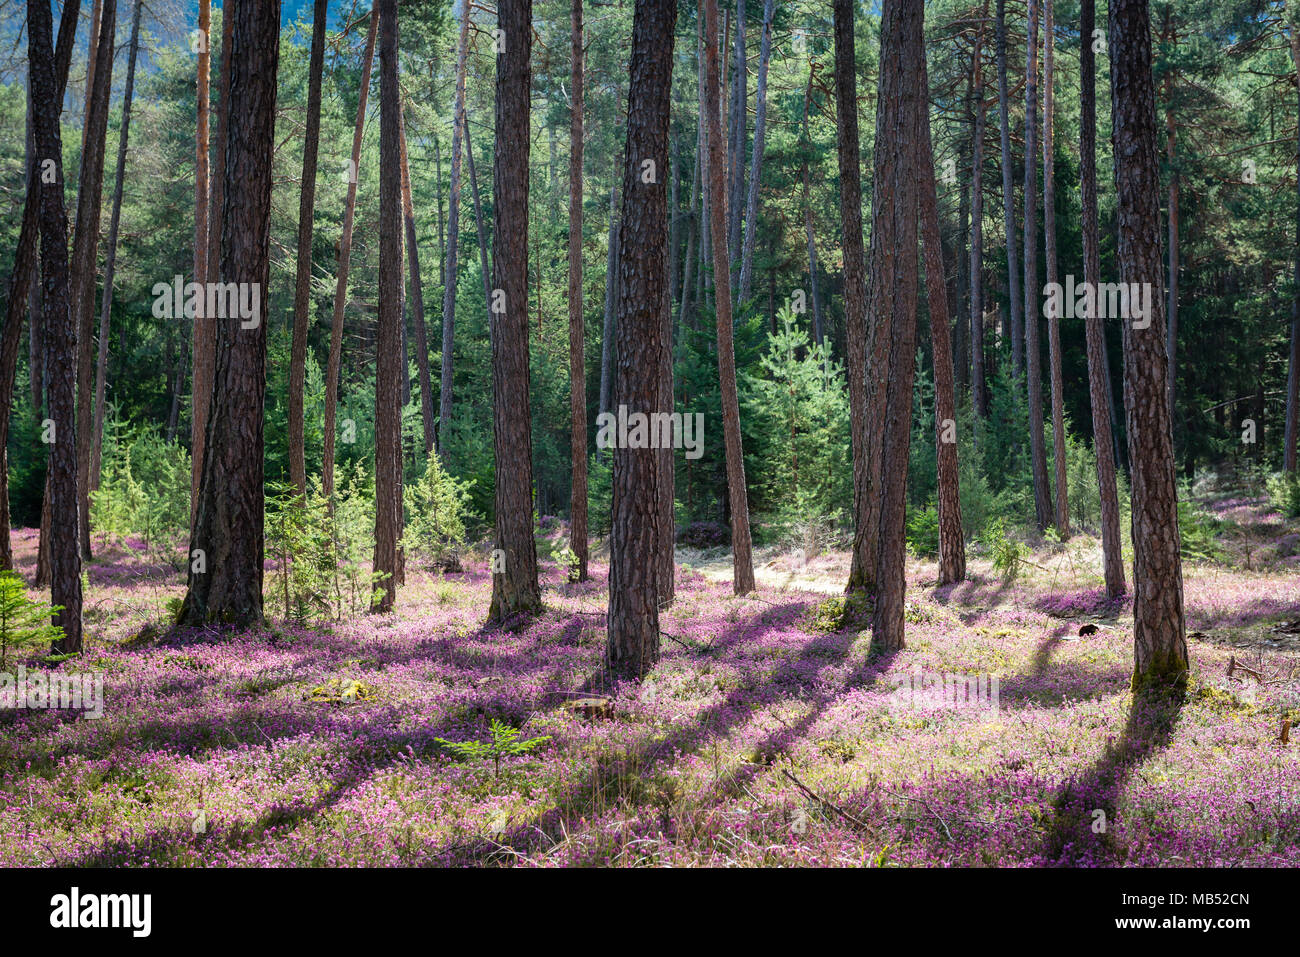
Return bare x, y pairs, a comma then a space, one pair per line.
478, 220
306, 224
110, 258
1171, 140
738, 117
863, 426
1053, 321
204, 329
514, 582
900, 122
1009, 198
818, 333
85, 245
442, 242
453, 237
635, 584
742, 558
692, 234
202, 160
1160, 648
756, 159
417, 298
979, 385
389, 360
1098, 376
577, 333
1289, 439
60, 329
1033, 300
341, 283
952, 543
607, 357
225, 580
24, 291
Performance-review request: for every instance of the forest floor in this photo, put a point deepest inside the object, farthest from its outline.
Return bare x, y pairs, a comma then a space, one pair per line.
766, 735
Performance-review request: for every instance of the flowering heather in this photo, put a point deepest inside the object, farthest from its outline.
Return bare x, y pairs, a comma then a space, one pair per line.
766, 735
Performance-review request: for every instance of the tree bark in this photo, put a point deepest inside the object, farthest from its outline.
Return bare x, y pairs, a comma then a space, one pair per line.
742, 558
1171, 140
607, 357
453, 237
1009, 199
900, 122
577, 333
204, 329
1098, 371
756, 158
60, 329
514, 586
635, 584
863, 427
389, 359
417, 298
341, 283
110, 258
979, 384
23, 289
1033, 295
737, 117
952, 543
1160, 649
1053, 322
228, 532
306, 224
85, 245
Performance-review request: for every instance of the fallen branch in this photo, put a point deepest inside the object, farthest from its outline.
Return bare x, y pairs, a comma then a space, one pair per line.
862, 825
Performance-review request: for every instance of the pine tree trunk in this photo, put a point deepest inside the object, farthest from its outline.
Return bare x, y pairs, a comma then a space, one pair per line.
60, 329
1016, 320
862, 425
1098, 369
756, 159
514, 586
607, 345
1033, 353
737, 117
577, 331
1160, 648
228, 534
1171, 140
85, 245
24, 290
818, 333
478, 219
900, 122
341, 283
742, 558
952, 543
389, 359
416, 298
453, 237
1053, 322
110, 258
442, 242
306, 224
635, 583
979, 385
204, 329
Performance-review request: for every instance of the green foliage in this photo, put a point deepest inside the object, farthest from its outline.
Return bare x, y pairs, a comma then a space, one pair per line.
24, 624
144, 486
505, 742
796, 413
437, 506
1008, 554
298, 538
1197, 531
923, 530
1284, 493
